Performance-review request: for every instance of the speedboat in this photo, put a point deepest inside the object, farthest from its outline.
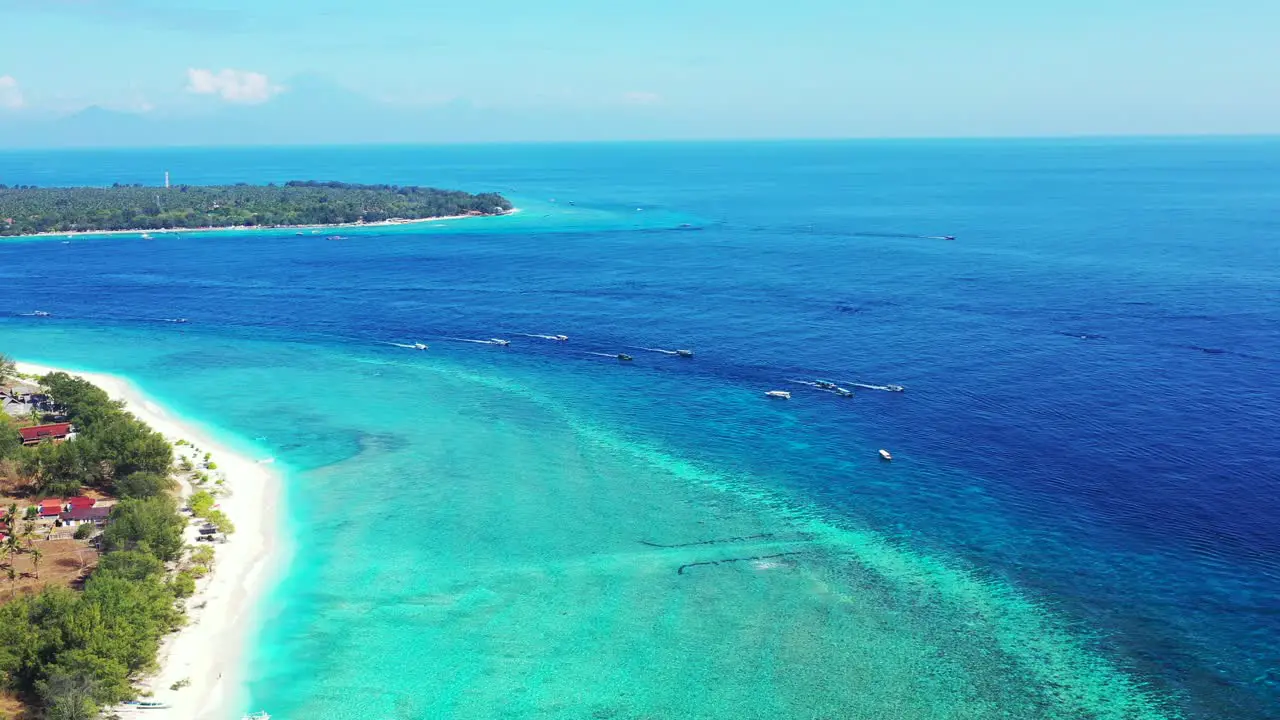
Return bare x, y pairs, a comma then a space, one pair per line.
948, 237
825, 385
625, 357
419, 346
560, 338
843, 392
783, 394
895, 388
145, 236
884, 455
500, 341
40, 313
260, 715
685, 353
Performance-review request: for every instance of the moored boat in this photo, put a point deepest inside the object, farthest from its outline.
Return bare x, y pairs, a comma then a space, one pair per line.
884, 454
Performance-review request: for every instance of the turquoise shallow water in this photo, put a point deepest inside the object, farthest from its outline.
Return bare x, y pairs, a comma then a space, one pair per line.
1076, 523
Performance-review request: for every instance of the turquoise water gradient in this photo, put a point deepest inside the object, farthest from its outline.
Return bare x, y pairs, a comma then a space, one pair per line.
473, 548
1078, 523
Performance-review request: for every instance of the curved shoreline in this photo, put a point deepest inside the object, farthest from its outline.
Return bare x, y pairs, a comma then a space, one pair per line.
395, 222
208, 651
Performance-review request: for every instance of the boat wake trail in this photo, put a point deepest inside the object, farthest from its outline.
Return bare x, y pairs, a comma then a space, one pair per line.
559, 338
885, 388
657, 350
908, 236
490, 341
599, 354
413, 346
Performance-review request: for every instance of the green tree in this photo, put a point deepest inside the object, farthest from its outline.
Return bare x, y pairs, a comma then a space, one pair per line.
219, 519
148, 524
7, 369
132, 565
36, 555
143, 485
201, 503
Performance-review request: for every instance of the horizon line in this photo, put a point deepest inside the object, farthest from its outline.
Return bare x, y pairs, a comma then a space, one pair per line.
671, 141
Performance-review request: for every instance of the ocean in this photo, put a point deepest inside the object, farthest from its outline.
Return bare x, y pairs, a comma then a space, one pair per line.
1078, 522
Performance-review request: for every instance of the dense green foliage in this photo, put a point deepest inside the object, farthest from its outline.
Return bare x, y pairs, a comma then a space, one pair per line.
129, 207
113, 451
77, 652
150, 525
7, 369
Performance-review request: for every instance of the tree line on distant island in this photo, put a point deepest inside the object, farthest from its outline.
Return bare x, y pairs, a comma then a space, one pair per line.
75, 652
28, 210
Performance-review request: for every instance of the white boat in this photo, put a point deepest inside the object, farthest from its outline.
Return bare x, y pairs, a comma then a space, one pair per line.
785, 395
685, 353
500, 341
260, 715
560, 338
419, 346
884, 455
145, 236
40, 313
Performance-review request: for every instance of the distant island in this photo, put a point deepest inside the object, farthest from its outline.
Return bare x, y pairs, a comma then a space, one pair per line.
30, 210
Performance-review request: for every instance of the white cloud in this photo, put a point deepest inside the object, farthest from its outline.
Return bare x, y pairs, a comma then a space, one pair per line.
10, 94
640, 97
235, 86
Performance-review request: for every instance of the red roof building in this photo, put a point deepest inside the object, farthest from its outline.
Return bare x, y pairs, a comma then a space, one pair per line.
76, 516
41, 433
81, 503
51, 507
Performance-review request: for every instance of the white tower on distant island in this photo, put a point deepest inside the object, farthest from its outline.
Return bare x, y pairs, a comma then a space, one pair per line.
166, 178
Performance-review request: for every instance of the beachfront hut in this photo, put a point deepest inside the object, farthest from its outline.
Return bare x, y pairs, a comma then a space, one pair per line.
81, 503
57, 432
52, 507
79, 516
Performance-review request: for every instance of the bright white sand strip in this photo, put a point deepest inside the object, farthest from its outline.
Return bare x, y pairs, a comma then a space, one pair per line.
208, 651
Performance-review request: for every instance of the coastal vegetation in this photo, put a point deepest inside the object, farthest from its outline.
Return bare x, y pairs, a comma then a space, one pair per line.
29, 210
71, 652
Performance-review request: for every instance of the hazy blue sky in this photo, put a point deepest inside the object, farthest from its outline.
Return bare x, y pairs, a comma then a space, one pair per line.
556, 69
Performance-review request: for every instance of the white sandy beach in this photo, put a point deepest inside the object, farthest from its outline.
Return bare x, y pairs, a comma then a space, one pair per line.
208, 652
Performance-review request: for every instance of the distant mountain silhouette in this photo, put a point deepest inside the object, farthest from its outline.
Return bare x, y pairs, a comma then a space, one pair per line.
314, 110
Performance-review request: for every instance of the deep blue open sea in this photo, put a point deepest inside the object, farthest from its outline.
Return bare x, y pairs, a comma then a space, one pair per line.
1080, 520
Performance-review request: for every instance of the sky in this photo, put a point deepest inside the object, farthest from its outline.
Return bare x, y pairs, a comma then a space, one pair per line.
185, 71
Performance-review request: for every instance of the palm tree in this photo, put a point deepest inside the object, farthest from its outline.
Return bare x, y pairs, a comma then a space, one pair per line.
36, 554
13, 582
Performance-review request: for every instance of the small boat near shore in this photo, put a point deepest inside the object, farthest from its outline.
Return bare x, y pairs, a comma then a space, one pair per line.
884, 455
260, 715
780, 394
